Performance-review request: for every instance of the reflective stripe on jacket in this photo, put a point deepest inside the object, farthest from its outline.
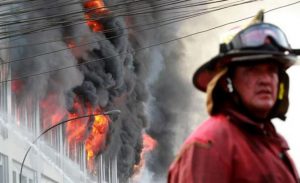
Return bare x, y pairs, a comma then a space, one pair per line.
233, 149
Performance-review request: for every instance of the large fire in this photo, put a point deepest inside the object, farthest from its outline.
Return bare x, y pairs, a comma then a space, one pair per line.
94, 10
91, 131
78, 130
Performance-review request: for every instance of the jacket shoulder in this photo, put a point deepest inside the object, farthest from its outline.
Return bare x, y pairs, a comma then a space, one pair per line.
216, 129
205, 155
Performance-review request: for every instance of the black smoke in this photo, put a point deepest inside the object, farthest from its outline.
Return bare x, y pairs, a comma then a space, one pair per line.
145, 85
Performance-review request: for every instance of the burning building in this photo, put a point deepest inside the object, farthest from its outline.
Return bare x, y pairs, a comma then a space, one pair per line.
64, 60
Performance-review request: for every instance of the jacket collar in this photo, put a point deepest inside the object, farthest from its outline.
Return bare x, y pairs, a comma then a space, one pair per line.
264, 127
246, 120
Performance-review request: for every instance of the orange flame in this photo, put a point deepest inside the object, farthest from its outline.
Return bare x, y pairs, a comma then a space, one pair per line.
77, 130
95, 8
96, 140
148, 145
71, 44
51, 112
148, 142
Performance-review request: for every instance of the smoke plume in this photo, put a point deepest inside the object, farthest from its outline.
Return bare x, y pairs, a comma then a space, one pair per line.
111, 73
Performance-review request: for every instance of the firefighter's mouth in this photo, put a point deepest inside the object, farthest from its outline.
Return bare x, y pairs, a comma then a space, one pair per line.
266, 92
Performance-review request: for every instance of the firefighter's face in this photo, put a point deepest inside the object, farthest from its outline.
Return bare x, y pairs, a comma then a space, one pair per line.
257, 86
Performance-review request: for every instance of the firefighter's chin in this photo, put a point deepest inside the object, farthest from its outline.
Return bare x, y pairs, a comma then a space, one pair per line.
261, 105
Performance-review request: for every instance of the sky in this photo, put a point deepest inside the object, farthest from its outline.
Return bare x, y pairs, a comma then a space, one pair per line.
201, 47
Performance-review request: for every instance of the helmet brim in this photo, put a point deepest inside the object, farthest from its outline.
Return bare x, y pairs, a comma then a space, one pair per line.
207, 71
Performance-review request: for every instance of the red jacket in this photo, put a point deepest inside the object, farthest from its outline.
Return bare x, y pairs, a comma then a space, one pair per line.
233, 149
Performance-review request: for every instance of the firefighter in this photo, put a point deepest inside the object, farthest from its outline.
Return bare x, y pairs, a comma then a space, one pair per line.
246, 86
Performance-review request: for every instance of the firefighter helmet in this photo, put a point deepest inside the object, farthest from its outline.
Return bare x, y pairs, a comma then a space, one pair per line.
258, 41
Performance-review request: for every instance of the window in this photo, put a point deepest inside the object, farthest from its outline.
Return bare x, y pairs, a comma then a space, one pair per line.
4, 90
3, 132
28, 175
3, 168
14, 177
1, 173
24, 179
